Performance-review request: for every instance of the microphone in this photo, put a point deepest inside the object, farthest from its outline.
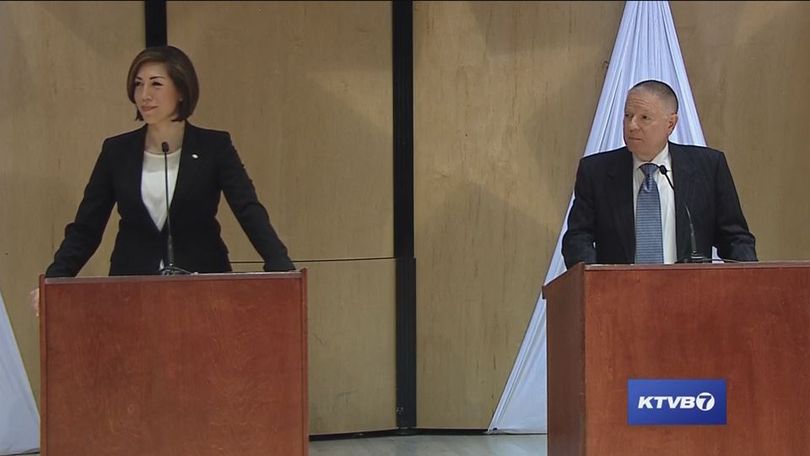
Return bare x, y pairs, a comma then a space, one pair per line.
694, 255
169, 269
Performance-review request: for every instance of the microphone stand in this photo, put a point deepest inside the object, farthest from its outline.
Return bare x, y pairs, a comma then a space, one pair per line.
694, 255
169, 269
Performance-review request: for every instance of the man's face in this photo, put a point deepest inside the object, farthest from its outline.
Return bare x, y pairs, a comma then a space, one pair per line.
648, 122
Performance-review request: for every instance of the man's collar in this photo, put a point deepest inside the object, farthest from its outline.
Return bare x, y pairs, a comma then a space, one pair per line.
663, 158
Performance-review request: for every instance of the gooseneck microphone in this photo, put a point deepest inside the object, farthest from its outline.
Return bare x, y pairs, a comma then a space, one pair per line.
694, 255
170, 268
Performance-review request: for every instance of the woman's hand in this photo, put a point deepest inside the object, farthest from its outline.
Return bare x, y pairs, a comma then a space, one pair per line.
34, 299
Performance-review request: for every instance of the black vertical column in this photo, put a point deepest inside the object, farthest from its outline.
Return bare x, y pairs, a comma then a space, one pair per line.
156, 29
402, 33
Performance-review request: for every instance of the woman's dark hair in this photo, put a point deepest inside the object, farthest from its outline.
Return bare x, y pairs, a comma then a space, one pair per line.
180, 70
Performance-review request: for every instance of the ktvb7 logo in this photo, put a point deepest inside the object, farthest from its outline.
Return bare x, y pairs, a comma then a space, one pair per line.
703, 402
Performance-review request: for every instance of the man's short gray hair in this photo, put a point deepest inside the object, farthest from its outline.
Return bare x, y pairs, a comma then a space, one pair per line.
662, 89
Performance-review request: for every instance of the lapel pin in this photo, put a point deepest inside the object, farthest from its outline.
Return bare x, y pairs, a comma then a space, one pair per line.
195, 156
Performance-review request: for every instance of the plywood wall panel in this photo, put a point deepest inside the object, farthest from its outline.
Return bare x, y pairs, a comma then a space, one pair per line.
63, 72
748, 66
351, 345
504, 97
305, 88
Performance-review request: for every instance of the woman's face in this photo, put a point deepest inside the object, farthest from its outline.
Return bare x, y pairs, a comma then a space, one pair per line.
155, 94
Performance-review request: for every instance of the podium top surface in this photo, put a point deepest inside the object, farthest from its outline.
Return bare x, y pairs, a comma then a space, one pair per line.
581, 268
179, 278
715, 265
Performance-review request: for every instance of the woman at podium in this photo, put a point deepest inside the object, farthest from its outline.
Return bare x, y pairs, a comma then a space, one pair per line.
166, 179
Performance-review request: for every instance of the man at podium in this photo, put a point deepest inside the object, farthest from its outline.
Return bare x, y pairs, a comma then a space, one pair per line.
655, 201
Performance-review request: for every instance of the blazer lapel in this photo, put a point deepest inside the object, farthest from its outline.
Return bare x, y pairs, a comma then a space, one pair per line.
134, 162
133, 165
619, 190
185, 173
683, 175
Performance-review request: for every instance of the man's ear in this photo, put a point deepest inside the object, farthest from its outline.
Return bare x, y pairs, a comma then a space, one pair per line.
672, 121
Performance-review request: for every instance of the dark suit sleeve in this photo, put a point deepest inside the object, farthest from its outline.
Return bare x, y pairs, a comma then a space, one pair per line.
732, 238
578, 241
252, 216
83, 235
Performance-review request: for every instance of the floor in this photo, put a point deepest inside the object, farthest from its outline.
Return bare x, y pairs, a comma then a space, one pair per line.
434, 445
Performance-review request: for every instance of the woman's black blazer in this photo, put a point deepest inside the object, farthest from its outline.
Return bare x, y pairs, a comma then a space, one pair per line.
209, 166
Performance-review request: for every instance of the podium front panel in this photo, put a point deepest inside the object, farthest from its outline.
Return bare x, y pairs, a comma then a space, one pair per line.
192, 365
748, 325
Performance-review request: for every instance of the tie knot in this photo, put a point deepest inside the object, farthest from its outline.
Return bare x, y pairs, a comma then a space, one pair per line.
648, 169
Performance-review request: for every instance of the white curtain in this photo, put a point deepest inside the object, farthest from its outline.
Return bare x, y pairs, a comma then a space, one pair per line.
646, 48
19, 418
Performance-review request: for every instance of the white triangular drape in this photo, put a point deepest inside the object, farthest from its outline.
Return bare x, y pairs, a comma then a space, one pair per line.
646, 48
19, 418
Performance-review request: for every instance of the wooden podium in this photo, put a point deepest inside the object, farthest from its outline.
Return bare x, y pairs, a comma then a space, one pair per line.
202, 365
746, 323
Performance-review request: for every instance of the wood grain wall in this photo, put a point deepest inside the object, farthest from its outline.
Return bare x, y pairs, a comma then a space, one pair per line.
505, 94
504, 97
62, 91
748, 64
305, 89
